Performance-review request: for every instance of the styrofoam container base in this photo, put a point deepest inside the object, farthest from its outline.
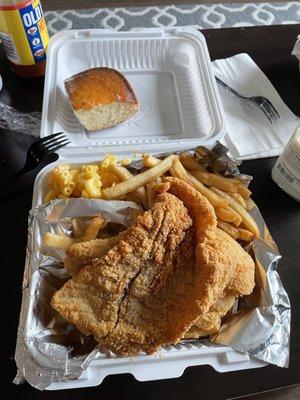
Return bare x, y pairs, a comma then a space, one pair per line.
170, 362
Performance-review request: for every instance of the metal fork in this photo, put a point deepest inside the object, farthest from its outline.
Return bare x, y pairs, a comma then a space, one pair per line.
262, 102
36, 153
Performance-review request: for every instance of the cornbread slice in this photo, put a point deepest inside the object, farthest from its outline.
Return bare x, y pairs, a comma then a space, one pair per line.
101, 98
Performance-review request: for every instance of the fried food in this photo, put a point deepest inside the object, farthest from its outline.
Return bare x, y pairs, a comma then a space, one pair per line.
181, 173
92, 230
229, 269
57, 241
81, 254
170, 271
210, 323
241, 284
93, 298
139, 180
248, 221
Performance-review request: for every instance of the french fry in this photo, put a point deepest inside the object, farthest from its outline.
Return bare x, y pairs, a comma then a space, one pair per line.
181, 173
245, 235
190, 163
130, 197
93, 228
124, 175
231, 230
58, 241
249, 204
239, 198
228, 215
220, 182
150, 161
173, 173
153, 188
59, 231
150, 194
243, 191
248, 221
77, 232
138, 180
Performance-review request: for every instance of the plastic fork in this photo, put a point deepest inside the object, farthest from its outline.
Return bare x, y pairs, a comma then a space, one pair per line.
36, 153
262, 102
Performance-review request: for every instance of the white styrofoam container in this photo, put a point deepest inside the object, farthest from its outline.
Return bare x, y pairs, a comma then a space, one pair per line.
170, 71
296, 50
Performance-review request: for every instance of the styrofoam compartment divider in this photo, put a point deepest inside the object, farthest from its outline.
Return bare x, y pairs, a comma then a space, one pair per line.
170, 72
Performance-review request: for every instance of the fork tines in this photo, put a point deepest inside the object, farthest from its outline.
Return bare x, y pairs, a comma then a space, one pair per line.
269, 110
49, 144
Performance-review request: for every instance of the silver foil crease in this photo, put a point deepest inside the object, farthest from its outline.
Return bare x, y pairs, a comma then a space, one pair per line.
49, 349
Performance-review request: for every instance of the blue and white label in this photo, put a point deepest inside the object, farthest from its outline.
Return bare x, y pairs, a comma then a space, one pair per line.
31, 16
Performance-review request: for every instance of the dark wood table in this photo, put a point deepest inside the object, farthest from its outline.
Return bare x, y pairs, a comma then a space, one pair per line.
271, 48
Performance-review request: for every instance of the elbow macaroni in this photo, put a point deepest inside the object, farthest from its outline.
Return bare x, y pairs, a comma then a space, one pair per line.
85, 181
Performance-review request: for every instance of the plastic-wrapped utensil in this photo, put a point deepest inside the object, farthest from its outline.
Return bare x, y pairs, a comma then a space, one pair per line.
14, 120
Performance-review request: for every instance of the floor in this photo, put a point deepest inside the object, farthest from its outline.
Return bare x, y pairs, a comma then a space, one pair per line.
73, 4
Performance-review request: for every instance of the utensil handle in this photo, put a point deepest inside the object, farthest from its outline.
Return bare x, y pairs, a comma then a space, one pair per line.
221, 83
13, 178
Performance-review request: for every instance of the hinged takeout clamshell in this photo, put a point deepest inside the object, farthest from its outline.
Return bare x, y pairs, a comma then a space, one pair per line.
180, 108
170, 72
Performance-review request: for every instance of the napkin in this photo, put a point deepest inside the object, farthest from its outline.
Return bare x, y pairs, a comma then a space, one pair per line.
250, 134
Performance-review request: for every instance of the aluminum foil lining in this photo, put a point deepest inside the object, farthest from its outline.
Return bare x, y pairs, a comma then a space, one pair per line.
49, 349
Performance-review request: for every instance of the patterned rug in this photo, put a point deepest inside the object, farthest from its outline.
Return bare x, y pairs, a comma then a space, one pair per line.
199, 15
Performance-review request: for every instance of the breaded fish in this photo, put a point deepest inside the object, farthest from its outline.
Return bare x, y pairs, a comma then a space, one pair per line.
238, 281
92, 299
169, 271
210, 323
81, 254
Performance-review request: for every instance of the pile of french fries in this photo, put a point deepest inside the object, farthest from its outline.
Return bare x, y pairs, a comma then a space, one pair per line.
229, 196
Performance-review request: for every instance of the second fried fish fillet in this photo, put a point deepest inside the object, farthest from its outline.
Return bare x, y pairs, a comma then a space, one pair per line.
210, 323
229, 268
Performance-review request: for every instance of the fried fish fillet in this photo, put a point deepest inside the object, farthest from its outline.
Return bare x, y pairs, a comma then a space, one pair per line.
205, 266
210, 323
223, 261
81, 254
241, 284
241, 281
167, 272
92, 299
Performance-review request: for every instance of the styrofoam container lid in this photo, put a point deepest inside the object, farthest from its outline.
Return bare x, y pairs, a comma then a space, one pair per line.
170, 72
